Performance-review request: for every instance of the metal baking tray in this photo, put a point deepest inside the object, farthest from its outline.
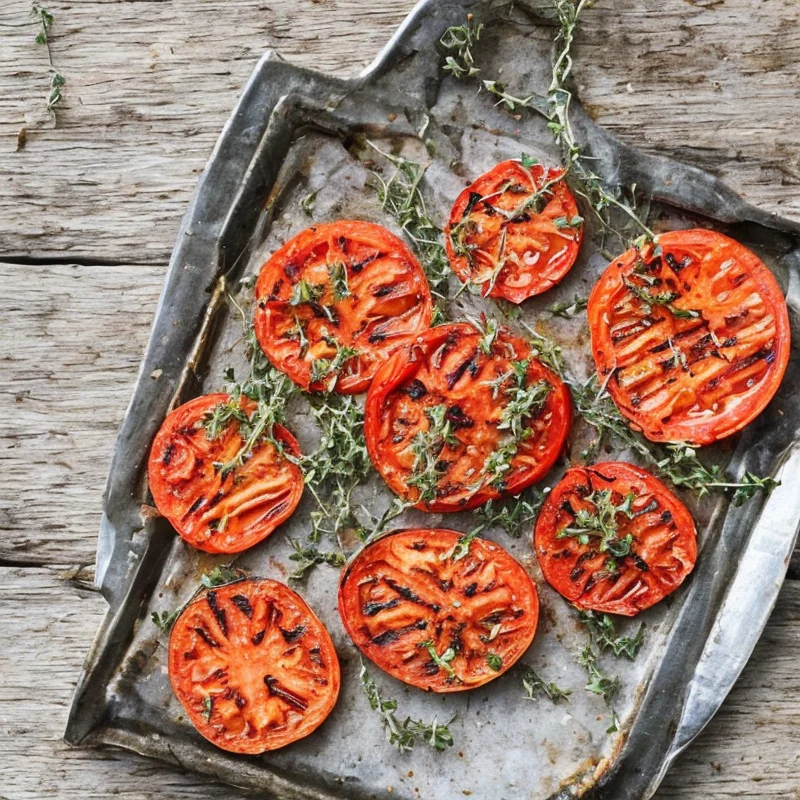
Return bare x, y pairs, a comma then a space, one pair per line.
296, 132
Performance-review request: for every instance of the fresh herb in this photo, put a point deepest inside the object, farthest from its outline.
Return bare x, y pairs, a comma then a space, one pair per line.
599, 683
515, 515
221, 575
404, 735
401, 197
208, 707
568, 310
57, 80
535, 686
305, 292
327, 370
442, 661
461, 38
427, 447
337, 273
603, 633
165, 619
660, 299
307, 556
494, 661
307, 203
600, 527
461, 547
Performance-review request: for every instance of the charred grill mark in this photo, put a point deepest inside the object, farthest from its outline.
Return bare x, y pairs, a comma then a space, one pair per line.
291, 271
416, 389
359, 265
294, 634
276, 290
660, 348
640, 562
470, 590
455, 637
666, 517
391, 636
371, 609
243, 604
259, 637
495, 618
276, 690
195, 506
383, 291
634, 330
276, 510
219, 613
766, 354
651, 506
168, 453
206, 636
458, 419
342, 242
376, 338
676, 265
411, 596
419, 545
739, 279
215, 499
315, 654
455, 376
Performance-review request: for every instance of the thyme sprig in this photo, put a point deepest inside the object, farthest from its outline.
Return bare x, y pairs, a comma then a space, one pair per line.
307, 556
401, 197
603, 633
57, 80
442, 661
514, 515
600, 684
460, 39
536, 686
404, 735
427, 447
600, 527
569, 309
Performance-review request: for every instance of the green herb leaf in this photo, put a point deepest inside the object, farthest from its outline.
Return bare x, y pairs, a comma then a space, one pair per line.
221, 575
165, 619
442, 661
535, 686
602, 630
494, 661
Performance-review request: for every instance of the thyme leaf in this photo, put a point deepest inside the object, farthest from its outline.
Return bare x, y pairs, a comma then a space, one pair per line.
427, 447
307, 556
599, 683
442, 661
401, 197
221, 575
535, 686
603, 633
57, 80
515, 515
461, 38
494, 661
165, 619
404, 735
328, 370
568, 310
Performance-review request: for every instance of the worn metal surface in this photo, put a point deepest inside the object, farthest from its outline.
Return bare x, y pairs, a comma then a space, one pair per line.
296, 132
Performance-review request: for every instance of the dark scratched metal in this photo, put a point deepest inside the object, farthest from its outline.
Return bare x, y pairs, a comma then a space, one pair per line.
710, 629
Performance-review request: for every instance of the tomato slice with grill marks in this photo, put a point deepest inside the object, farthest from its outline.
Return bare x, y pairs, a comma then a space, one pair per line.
216, 509
336, 300
252, 666
691, 334
613, 538
515, 232
440, 418
433, 621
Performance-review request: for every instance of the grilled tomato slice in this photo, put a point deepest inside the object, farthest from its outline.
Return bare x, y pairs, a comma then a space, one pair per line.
515, 232
336, 300
691, 334
434, 616
613, 538
459, 417
252, 666
220, 497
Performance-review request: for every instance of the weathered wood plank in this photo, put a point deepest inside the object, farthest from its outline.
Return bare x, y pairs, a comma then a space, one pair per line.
48, 624
151, 84
70, 345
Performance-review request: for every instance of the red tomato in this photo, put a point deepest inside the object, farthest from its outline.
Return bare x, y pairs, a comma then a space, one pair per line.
252, 666
334, 289
613, 538
445, 375
511, 235
704, 356
435, 621
215, 510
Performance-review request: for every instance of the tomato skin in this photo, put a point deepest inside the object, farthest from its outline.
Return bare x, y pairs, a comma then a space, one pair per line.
193, 495
664, 548
387, 405
263, 658
405, 589
390, 301
527, 240
696, 379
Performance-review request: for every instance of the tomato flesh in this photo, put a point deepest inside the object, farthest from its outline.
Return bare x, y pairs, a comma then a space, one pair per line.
214, 510
405, 597
705, 357
515, 232
252, 666
662, 547
447, 369
345, 284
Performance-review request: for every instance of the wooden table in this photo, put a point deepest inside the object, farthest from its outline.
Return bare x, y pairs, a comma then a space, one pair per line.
88, 214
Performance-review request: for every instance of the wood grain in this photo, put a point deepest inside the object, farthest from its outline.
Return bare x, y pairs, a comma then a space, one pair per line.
88, 215
749, 751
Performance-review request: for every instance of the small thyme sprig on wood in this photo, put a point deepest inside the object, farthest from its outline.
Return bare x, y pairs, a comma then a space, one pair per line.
401, 197
57, 80
404, 735
535, 686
